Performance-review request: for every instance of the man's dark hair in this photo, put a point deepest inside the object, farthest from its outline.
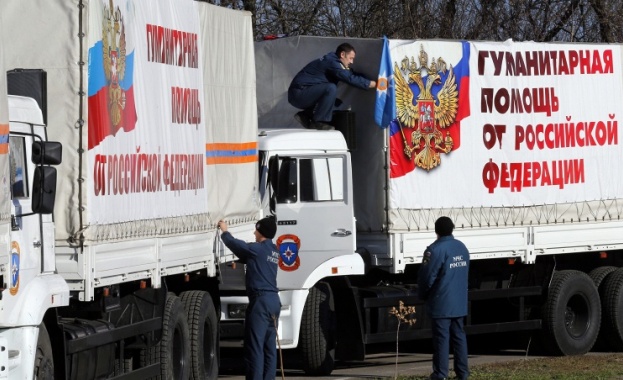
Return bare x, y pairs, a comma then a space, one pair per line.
345, 47
444, 226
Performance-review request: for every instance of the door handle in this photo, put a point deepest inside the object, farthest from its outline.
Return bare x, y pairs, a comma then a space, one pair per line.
341, 232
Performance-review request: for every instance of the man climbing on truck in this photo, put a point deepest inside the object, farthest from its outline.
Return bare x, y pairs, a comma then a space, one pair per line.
314, 88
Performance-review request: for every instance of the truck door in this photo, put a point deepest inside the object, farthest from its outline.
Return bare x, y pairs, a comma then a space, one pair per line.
313, 203
26, 236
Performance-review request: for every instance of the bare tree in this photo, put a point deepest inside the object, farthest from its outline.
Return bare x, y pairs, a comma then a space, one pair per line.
609, 19
520, 20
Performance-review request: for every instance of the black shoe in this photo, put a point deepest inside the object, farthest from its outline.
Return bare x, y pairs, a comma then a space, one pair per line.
338, 102
319, 125
303, 119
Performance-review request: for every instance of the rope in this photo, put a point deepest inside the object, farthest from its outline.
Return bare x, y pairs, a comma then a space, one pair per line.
217, 258
283, 376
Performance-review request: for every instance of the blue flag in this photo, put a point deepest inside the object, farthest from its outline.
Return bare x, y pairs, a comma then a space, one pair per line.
385, 110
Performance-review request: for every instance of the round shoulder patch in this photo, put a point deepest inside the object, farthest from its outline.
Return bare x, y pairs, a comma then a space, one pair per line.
426, 257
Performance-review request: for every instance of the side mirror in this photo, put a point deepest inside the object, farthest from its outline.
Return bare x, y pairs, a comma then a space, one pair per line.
273, 176
288, 181
273, 173
44, 190
47, 153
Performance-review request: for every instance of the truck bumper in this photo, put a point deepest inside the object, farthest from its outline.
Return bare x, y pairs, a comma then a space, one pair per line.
17, 352
232, 319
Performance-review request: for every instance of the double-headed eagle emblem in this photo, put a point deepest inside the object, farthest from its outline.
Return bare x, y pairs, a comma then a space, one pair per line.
113, 49
430, 113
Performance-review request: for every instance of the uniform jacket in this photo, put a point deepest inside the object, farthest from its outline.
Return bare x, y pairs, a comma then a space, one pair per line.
442, 279
262, 260
328, 69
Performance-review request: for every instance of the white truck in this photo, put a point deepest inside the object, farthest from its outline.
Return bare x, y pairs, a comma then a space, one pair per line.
147, 117
517, 142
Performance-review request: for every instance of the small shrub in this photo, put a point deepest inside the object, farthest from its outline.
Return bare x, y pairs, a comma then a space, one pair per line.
402, 314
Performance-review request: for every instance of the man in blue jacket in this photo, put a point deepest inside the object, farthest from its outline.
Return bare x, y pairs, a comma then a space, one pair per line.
442, 283
314, 88
262, 314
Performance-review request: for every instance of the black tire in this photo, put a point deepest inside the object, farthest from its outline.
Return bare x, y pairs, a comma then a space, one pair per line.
123, 366
318, 327
44, 362
572, 314
599, 274
613, 310
173, 350
204, 344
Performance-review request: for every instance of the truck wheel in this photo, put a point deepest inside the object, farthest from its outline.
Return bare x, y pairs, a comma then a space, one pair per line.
317, 337
613, 309
44, 363
203, 326
173, 350
598, 275
572, 313
123, 366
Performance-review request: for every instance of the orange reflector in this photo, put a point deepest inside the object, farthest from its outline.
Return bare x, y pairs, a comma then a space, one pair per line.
511, 261
106, 292
603, 255
143, 285
334, 270
186, 278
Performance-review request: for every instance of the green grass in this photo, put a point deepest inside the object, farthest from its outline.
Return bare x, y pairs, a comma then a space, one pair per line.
585, 367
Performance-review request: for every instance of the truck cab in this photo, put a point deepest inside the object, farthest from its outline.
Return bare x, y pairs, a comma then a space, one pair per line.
28, 268
309, 187
306, 181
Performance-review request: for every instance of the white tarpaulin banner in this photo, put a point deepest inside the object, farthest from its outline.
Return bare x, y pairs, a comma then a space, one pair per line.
155, 110
522, 124
230, 113
146, 130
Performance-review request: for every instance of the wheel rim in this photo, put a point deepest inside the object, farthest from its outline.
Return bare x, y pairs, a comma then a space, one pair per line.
577, 316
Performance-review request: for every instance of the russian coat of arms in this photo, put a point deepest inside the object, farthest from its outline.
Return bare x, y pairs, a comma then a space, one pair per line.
431, 112
114, 53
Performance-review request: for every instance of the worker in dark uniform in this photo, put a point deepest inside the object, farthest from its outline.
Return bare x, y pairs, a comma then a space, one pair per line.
314, 88
260, 334
442, 283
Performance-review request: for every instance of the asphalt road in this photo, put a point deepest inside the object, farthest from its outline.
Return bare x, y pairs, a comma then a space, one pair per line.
414, 359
